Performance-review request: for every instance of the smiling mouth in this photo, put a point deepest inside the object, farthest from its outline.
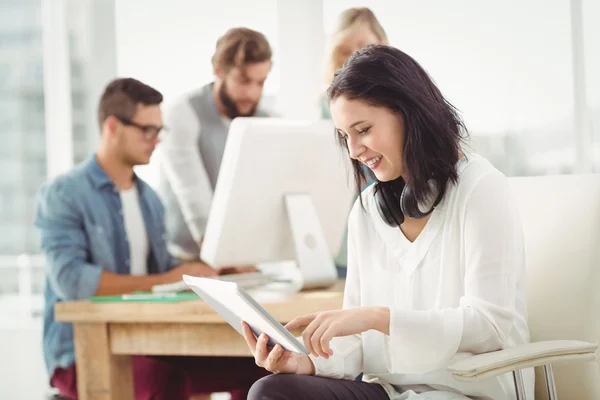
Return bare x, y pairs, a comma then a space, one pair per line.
373, 161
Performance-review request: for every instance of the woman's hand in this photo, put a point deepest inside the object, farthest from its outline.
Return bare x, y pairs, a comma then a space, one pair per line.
276, 360
324, 326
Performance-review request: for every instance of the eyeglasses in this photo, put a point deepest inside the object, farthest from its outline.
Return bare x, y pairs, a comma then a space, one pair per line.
150, 132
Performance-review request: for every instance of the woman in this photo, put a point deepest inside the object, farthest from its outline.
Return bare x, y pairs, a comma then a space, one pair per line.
356, 28
436, 260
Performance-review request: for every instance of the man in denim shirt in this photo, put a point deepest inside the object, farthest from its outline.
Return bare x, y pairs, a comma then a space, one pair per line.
102, 233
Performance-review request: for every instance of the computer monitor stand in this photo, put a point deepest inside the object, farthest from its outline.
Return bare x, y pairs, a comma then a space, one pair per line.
312, 254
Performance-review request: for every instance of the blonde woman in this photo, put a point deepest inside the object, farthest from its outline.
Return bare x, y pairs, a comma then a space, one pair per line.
356, 28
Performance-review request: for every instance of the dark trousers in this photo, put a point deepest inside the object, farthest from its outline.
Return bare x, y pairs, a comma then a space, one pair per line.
304, 387
178, 378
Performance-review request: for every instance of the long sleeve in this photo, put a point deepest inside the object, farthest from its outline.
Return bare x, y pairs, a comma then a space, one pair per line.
347, 359
425, 340
184, 169
63, 243
495, 260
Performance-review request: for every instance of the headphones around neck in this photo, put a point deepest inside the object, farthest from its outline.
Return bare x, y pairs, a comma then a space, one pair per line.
395, 200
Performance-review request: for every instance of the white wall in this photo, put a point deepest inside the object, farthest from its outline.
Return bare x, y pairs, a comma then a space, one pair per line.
301, 54
591, 33
505, 64
508, 66
168, 44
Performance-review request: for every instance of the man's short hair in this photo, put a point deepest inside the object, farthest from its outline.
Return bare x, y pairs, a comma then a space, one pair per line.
122, 96
239, 47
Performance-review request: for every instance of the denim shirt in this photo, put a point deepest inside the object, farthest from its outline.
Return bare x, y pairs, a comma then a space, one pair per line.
82, 232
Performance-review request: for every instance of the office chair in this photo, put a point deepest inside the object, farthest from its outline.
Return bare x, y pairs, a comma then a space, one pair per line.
561, 226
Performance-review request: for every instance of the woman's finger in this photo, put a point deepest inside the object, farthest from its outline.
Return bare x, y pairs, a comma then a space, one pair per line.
307, 335
301, 321
273, 359
261, 349
249, 337
326, 340
316, 340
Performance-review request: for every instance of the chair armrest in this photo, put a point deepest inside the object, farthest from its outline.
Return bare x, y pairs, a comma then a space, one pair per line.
488, 365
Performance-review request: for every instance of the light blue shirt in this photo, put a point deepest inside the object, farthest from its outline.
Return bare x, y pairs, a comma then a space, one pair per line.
79, 216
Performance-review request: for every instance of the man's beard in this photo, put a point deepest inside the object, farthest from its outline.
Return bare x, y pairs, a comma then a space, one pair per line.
231, 110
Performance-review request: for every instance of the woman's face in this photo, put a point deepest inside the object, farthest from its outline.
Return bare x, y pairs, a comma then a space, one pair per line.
361, 37
374, 135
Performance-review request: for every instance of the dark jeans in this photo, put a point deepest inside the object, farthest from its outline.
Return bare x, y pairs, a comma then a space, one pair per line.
304, 387
178, 378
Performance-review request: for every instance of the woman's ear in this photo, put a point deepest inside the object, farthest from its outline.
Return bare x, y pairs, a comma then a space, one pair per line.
219, 73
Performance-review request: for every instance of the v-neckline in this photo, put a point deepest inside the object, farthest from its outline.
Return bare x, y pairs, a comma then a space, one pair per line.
407, 240
410, 254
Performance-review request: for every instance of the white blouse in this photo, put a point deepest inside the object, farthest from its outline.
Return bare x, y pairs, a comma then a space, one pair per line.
458, 288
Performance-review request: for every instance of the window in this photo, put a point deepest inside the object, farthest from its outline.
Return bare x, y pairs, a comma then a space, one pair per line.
84, 23
591, 37
23, 107
22, 123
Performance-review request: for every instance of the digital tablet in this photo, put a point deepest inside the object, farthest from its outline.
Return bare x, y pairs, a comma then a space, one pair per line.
235, 305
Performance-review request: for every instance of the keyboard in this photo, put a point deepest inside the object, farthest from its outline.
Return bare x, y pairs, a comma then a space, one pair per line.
247, 281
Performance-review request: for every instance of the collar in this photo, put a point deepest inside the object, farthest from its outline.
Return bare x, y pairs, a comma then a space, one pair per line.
100, 178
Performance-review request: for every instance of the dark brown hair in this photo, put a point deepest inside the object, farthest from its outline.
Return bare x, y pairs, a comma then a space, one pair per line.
122, 96
383, 76
239, 47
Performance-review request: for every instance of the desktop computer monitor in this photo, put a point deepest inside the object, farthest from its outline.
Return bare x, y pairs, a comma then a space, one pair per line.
283, 193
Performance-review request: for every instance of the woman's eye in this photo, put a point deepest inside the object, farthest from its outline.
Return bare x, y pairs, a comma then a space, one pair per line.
363, 131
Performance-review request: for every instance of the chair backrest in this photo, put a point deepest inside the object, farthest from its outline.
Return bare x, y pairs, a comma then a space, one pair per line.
561, 226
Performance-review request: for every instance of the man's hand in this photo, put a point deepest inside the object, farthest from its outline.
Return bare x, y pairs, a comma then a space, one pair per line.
324, 326
190, 268
232, 270
237, 270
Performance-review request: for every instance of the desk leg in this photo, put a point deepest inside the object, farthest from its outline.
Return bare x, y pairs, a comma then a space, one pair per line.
101, 375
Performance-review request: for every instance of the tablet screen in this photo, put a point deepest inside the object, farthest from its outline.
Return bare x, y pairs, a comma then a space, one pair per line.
235, 305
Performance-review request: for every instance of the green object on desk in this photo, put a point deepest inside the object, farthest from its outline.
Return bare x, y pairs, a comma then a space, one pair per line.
147, 297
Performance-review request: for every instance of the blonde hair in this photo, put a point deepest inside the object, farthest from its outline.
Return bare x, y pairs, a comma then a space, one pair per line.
239, 47
348, 22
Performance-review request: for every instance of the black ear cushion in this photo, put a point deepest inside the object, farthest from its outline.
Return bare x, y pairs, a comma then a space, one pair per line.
388, 206
410, 207
393, 202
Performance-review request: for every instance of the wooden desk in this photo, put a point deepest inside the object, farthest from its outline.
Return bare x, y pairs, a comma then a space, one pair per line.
107, 334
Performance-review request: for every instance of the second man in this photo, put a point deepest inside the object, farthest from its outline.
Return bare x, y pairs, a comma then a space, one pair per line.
191, 155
